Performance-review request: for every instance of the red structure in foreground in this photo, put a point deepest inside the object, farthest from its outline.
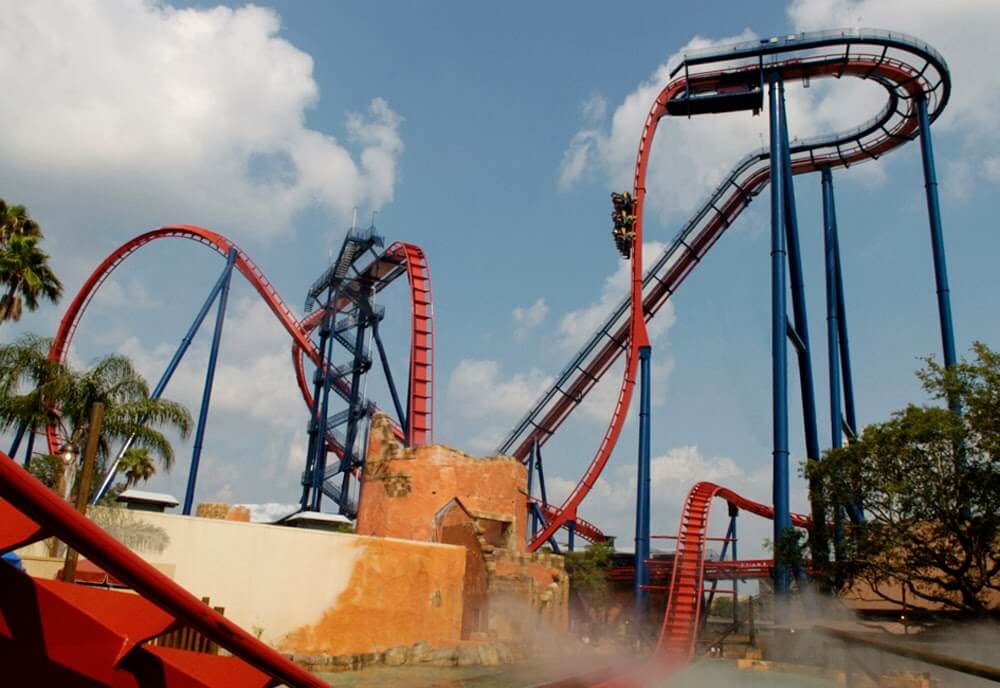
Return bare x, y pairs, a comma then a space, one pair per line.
60, 634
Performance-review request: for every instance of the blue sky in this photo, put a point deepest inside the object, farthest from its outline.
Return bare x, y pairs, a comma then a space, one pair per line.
491, 136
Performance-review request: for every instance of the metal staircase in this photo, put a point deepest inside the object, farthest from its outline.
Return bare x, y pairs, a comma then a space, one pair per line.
346, 295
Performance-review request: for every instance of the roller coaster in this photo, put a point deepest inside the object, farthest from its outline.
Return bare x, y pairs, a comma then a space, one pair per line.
732, 79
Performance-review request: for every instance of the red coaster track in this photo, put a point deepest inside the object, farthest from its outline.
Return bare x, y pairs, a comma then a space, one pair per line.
911, 71
398, 259
61, 634
683, 614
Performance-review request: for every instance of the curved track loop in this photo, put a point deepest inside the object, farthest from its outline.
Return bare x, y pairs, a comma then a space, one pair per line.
912, 71
681, 619
399, 258
396, 260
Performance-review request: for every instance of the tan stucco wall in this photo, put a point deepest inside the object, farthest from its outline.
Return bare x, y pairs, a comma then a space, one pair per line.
398, 594
315, 591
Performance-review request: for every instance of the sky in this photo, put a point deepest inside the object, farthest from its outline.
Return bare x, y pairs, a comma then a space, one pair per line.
491, 136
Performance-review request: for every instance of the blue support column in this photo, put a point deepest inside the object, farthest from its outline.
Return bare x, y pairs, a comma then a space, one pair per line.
833, 345
541, 474
182, 348
779, 341
733, 513
206, 397
404, 422
818, 542
571, 537
319, 457
347, 461
642, 491
530, 512
729, 538
937, 239
832, 307
798, 292
30, 449
843, 340
21, 429
316, 429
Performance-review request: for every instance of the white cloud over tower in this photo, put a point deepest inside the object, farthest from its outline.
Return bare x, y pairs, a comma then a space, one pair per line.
130, 105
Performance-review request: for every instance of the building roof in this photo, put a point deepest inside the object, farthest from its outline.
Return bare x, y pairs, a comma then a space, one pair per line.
148, 497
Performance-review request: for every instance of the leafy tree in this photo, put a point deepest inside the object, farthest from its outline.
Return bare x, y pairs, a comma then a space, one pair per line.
929, 481
25, 275
39, 391
586, 573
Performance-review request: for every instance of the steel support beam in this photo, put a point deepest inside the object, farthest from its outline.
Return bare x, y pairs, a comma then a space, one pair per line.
733, 513
730, 537
832, 307
30, 449
541, 473
842, 339
798, 292
937, 240
21, 429
206, 397
779, 342
642, 491
319, 459
358, 370
818, 541
404, 422
161, 385
314, 427
532, 519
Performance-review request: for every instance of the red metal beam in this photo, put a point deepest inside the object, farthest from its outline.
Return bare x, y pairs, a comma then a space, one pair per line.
41, 505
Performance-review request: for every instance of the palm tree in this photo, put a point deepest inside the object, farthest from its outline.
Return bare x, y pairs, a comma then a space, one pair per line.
26, 275
38, 391
137, 466
24, 268
128, 410
30, 385
15, 220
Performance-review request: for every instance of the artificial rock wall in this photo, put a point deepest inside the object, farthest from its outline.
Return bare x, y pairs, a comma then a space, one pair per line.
438, 494
306, 591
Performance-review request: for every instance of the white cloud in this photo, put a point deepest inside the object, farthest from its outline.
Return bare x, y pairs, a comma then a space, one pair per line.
963, 31
269, 512
594, 108
130, 294
577, 326
991, 168
689, 157
153, 114
527, 318
253, 377
958, 180
611, 502
479, 389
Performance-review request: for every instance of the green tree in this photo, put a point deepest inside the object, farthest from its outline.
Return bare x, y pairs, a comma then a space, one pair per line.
587, 574
929, 482
25, 275
137, 466
39, 391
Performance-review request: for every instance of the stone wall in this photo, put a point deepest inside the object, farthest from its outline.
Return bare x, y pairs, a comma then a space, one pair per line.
439, 494
528, 592
309, 591
405, 488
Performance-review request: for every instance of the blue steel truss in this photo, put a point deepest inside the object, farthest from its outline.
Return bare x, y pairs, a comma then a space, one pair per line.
346, 333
